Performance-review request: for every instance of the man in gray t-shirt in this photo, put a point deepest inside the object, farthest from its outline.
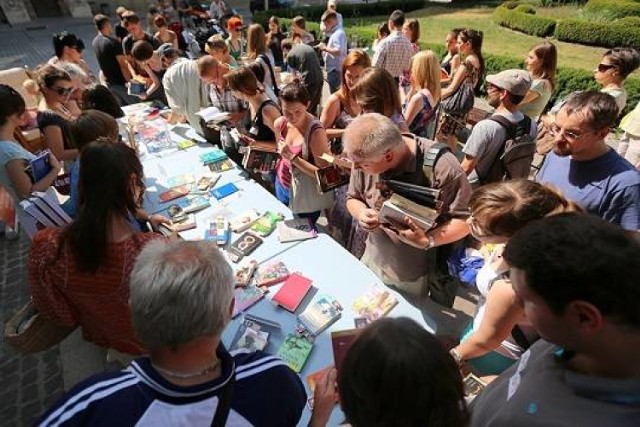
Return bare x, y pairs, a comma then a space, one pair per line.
505, 91
576, 277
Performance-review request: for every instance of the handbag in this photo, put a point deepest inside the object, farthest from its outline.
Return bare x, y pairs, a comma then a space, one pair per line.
305, 195
461, 102
29, 332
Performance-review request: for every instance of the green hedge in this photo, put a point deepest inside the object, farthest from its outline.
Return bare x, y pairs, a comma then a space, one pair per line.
597, 34
510, 4
356, 10
529, 24
525, 8
611, 10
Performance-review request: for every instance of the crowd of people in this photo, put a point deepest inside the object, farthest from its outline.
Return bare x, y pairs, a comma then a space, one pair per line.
556, 327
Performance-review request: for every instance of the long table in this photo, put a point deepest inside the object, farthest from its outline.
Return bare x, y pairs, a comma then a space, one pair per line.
332, 269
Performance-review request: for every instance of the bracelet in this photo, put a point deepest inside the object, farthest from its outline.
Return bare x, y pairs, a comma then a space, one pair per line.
456, 356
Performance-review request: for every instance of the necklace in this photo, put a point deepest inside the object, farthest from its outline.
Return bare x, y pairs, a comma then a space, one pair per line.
187, 375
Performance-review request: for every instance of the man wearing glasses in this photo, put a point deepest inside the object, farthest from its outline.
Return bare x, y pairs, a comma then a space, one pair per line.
584, 168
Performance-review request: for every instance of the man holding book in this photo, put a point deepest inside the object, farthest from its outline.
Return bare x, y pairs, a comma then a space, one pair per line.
399, 251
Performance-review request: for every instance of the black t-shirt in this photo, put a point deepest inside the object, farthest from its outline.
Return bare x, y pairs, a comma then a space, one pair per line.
129, 41
121, 32
106, 49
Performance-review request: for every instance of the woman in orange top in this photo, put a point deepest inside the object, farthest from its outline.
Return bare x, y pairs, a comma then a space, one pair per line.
79, 275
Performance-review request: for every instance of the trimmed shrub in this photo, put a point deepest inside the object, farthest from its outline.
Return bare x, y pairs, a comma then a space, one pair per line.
510, 4
529, 24
629, 21
597, 34
356, 10
526, 8
611, 10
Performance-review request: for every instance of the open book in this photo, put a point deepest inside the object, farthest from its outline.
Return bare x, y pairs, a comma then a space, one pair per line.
396, 208
213, 114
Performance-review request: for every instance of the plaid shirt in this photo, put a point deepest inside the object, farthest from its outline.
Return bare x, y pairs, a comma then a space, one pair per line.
394, 54
225, 101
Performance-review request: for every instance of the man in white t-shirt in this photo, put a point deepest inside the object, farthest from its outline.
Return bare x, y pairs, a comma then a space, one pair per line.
505, 91
335, 51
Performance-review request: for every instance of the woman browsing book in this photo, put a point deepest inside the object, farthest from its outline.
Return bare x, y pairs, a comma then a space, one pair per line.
14, 159
302, 141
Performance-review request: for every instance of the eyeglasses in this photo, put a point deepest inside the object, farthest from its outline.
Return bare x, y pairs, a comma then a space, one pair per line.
602, 68
62, 91
555, 131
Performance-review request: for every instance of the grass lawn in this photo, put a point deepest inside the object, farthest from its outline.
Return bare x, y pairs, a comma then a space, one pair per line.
436, 21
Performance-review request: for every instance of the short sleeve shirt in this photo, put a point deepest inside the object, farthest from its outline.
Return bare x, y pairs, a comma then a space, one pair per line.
400, 261
608, 186
9, 151
107, 49
543, 88
338, 39
394, 54
48, 118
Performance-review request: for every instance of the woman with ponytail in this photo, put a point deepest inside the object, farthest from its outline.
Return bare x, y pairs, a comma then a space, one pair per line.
500, 333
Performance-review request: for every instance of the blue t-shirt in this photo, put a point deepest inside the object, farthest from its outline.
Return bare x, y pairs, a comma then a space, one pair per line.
266, 393
608, 186
9, 151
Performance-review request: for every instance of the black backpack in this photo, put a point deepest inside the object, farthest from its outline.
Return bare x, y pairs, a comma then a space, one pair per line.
514, 158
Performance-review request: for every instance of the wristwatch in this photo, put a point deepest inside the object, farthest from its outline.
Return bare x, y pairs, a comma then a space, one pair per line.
431, 242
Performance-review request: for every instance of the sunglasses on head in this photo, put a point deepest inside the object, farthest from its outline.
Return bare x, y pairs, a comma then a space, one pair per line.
604, 67
62, 91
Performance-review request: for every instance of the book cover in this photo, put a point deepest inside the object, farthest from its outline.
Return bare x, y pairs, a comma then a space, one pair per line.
213, 156
397, 207
224, 190
40, 166
320, 314
218, 230
252, 340
265, 225
341, 342
245, 244
245, 271
292, 230
178, 180
330, 178
260, 159
241, 222
245, 298
195, 204
294, 351
272, 273
292, 292
173, 193
221, 166
375, 303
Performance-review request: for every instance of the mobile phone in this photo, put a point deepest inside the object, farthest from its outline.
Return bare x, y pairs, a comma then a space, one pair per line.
224, 191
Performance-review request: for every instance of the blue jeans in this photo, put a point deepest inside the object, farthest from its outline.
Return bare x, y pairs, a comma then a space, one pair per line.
333, 78
283, 194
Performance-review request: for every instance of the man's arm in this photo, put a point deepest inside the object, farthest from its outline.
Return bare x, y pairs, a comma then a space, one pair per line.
468, 164
367, 218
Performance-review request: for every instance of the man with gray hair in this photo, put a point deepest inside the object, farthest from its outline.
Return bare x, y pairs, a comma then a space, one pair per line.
181, 300
402, 255
585, 168
186, 93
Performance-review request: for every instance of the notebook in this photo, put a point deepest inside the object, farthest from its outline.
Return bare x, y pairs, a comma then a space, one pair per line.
292, 292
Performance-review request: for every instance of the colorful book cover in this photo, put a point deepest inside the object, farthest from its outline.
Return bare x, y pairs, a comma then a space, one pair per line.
195, 204
272, 273
213, 156
252, 340
266, 223
294, 351
245, 298
241, 222
375, 303
245, 272
178, 180
292, 230
221, 166
341, 342
320, 314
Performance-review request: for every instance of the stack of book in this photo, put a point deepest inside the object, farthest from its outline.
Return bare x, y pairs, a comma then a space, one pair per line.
42, 210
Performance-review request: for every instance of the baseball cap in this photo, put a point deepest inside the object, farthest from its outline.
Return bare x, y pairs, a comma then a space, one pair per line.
516, 82
234, 23
165, 50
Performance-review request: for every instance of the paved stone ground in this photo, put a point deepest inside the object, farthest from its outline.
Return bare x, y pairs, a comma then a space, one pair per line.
28, 384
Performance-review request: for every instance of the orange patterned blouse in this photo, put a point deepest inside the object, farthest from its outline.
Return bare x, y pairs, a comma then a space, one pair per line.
96, 302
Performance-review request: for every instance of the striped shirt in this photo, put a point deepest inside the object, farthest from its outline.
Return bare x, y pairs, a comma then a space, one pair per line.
394, 54
266, 393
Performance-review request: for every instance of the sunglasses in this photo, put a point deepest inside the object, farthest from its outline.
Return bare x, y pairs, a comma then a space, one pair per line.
604, 67
62, 91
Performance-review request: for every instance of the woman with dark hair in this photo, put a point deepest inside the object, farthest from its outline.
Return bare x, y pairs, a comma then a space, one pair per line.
258, 71
274, 38
500, 333
14, 159
101, 98
377, 92
382, 33
541, 63
54, 117
97, 249
302, 141
339, 110
394, 374
464, 83
451, 60
613, 69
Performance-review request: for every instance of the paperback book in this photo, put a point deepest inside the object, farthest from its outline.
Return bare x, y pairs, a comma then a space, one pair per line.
272, 273
375, 303
320, 314
292, 230
295, 351
396, 208
245, 298
260, 159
